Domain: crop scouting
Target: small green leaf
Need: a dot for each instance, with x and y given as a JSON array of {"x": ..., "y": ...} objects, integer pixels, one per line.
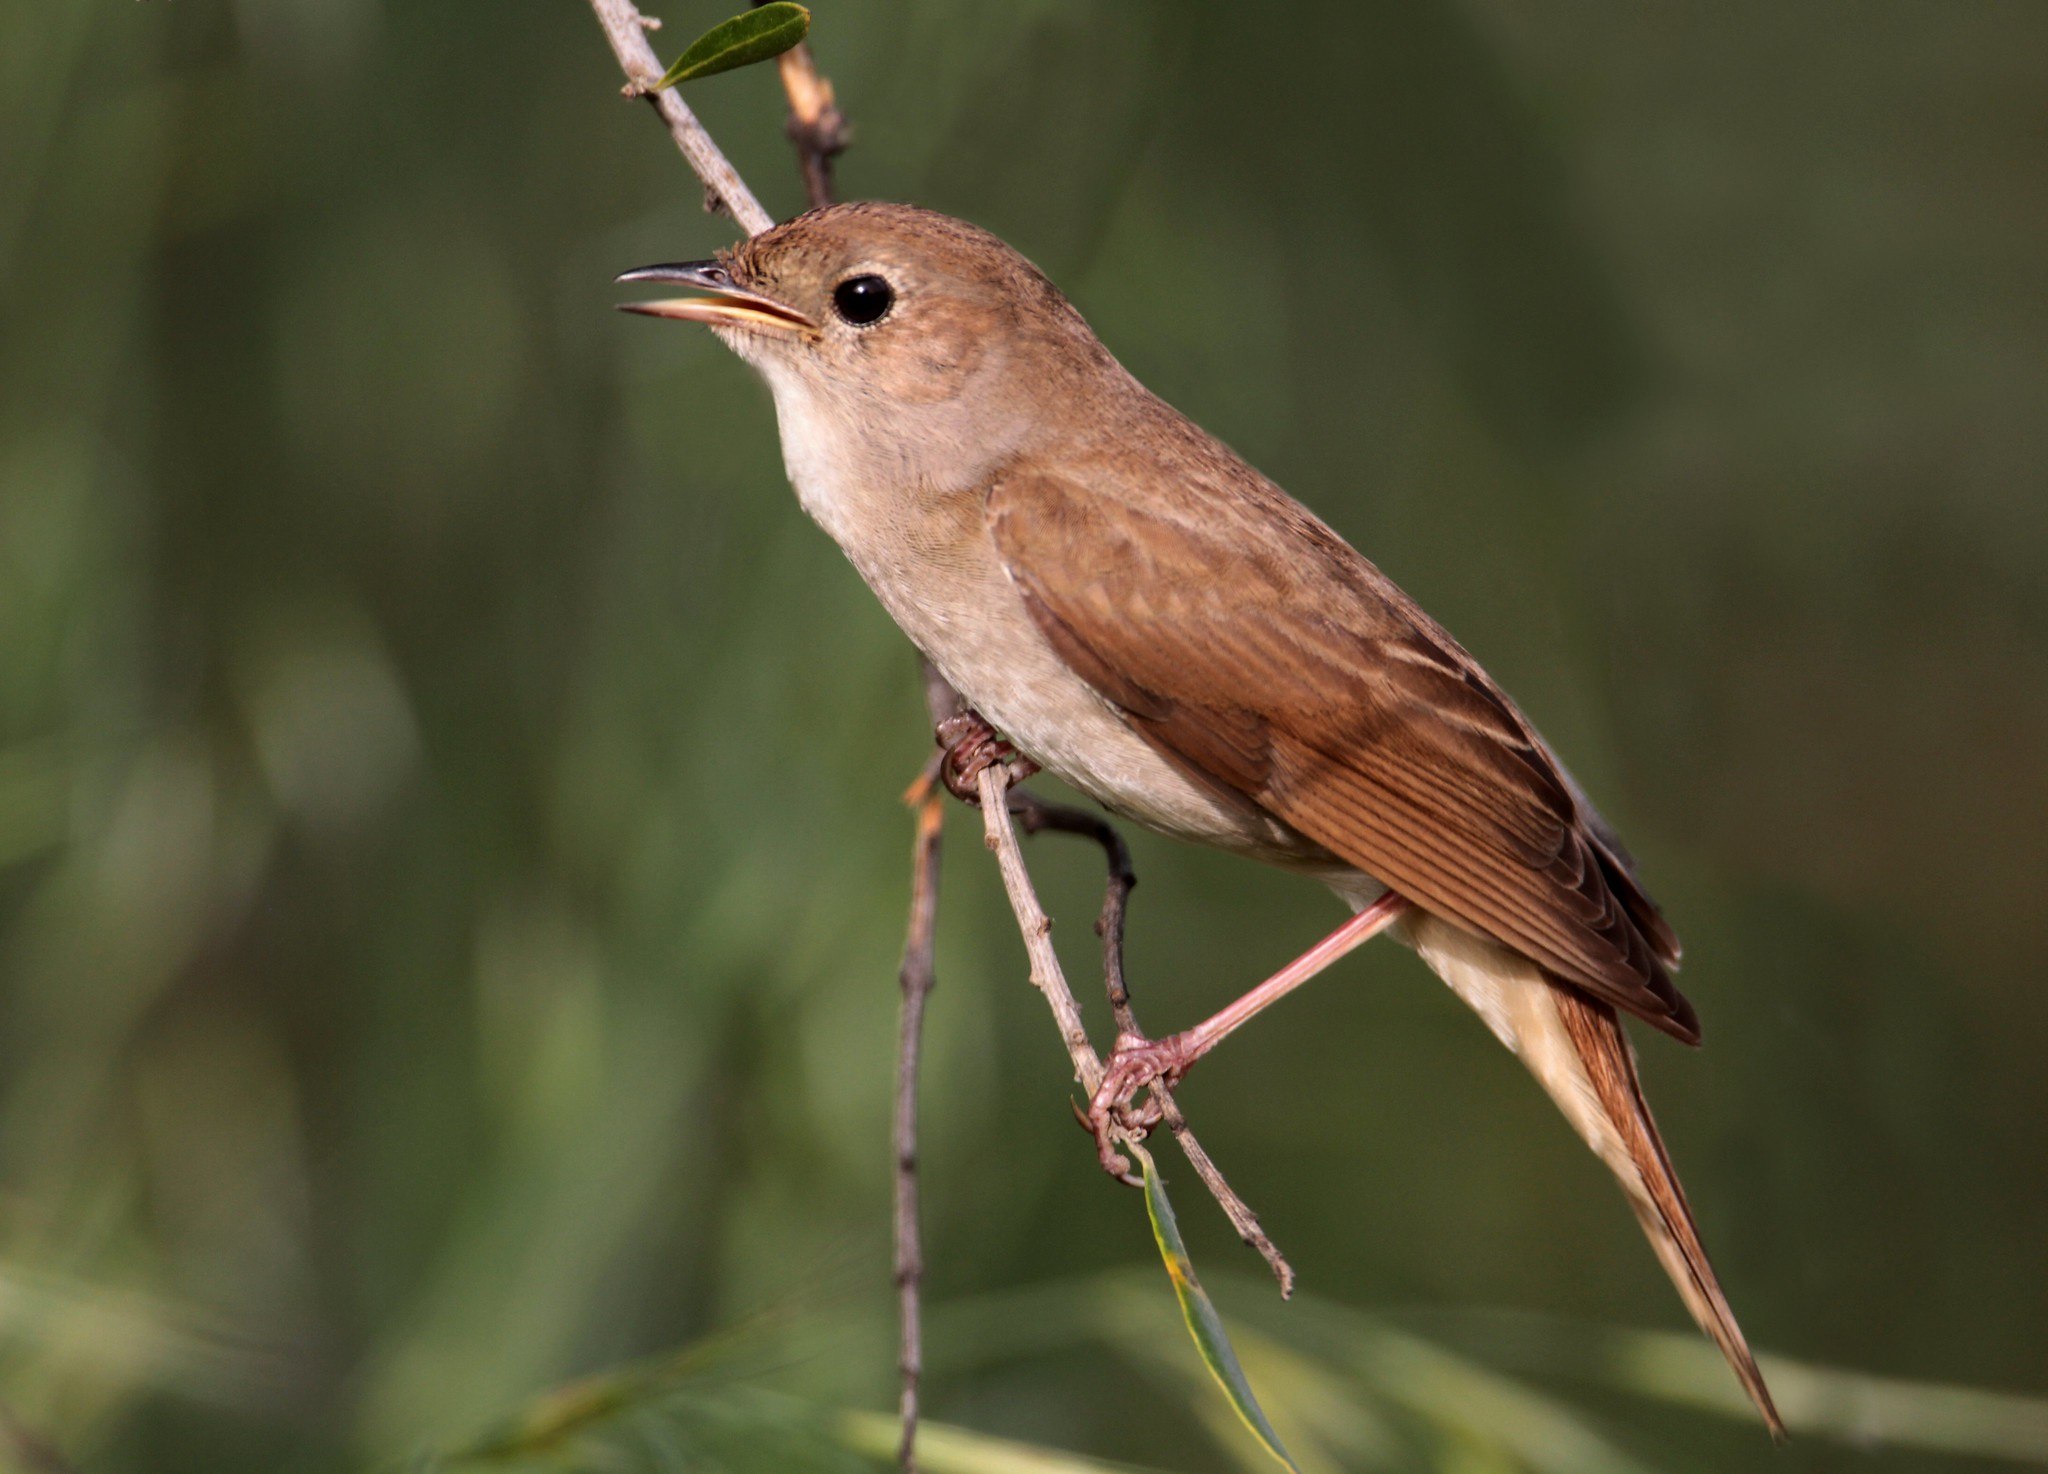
[
  {"x": 751, "y": 36},
  {"x": 1196, "y": 1308}
]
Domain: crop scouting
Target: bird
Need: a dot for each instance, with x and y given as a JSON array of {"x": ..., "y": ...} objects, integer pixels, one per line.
[{"x": 1126, "y": 603}]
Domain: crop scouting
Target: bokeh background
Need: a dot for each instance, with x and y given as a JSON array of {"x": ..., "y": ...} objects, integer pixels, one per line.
[{"x": 451, "y": 872}]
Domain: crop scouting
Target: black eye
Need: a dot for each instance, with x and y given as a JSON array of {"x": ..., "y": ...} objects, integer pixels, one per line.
[{"x": 863, "y": 299}]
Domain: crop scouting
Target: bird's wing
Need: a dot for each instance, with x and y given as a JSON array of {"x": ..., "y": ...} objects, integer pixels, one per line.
[{"x": 1246, "y": 641}]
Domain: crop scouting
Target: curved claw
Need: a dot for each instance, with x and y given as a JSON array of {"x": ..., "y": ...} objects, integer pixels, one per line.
[
  {"x": 968, "y": 747},
  {"x": 1114, "y": 1162},
  {"x": 1134, "y": 1065}
]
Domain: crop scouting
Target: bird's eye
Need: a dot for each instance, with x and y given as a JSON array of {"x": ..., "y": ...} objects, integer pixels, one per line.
[{"x": 863, "y": 299}]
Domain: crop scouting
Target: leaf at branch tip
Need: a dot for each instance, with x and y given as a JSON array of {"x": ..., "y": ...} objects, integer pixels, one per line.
[
  {"x": 751, "y": 36},
  {"x": 1196, "y": 1308}
]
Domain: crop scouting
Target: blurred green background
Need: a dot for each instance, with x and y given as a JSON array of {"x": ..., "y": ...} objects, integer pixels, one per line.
[{"x": 451, "y": 873}]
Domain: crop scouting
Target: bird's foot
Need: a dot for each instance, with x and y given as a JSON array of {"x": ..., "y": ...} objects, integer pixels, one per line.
[
  {"x": 1135, "y": 1064},
  {"x": 968, "y": 746}
]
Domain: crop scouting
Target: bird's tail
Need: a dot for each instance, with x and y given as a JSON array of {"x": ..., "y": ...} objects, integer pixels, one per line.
[{"x": 1575, "y": 1047}]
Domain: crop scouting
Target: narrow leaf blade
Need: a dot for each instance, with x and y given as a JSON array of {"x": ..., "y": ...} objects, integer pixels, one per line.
[
  {"x": 1205, "y": 1325},
  {"x": 751, "y": 36}
]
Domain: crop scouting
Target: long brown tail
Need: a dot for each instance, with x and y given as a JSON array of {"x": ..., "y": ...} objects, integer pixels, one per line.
[
  {"x": 1575, "y": 1047},
  {"x": 1658, "y": 1199}
]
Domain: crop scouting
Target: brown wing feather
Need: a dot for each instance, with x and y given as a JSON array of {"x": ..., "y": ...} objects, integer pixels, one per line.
[{"x": 1251, "y": 644}]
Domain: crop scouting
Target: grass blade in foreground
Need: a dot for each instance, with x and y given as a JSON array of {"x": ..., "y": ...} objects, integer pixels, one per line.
[
  {"x": 751, "y": 36},
  {"x": 944, "y": 1449},
  {"x": 1834, "y": 1402},
  {"x": 1204, "y": 1324},
  {"x": 629, "y": 1423}
]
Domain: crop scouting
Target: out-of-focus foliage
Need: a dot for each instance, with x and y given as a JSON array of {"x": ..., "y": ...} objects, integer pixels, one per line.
[
  {"x": 450, "y": 871},
  {"x": 1355, "y": 1391}
]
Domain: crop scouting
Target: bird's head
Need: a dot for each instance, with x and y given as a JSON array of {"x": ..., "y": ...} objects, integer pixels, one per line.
[{"x": 913, "y": 329}]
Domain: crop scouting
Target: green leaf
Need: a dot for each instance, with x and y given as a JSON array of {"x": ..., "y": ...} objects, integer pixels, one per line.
[
  {"x": 1196, "y": 1308},
  {"x": 751, "y": 36}
]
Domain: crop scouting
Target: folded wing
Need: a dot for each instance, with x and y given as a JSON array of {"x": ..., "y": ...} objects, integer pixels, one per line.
[{"x": 1251, "y": 644}]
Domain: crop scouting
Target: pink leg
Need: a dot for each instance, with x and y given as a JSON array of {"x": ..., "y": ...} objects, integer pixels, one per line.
[{"x": 1136, "y": 1063}]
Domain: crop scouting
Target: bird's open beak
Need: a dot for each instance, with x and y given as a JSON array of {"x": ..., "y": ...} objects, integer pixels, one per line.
[{"x": 728, "y": 305}]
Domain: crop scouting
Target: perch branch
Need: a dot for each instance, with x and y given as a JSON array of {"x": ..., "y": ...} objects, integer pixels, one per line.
[
  {"x": 997, "y": 806},
  {"x": 993, "y": 786},
  {"x": 626, "y": 28},
  {"x": 1037, "y": 816}
]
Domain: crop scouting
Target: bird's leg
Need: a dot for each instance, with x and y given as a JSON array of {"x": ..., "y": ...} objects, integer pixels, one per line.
[
  {"x": 967, "y": 745},
  {"x": 1136, "y": 1061}
]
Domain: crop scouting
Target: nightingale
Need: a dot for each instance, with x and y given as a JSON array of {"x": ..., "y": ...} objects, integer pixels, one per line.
[{"x": 1127, "y": 604}]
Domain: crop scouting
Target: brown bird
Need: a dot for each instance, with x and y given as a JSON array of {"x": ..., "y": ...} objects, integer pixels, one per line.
[{"x": 1137, "y": 610}]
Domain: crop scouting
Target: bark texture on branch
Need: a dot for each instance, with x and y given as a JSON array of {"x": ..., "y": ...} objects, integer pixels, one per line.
[
  {"x": 816, "y": 126},
  {"x": 998, "y": 805},
  {"x": 917, "y": 977},
  {"x": 993, "y": 786},
  {"x": 1037, "y": 816}
]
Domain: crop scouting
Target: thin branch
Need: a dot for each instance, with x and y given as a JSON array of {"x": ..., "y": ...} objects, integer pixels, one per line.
[
  {"x": 1038, "y": 816},
  {"x": 816, "y": 126},
  {"x": 993, "y": 788},
  {"x": 993, "y": 785},
  {"x": 917, "y": 977},
  {"x": 626, "y": 28},
  {"x": 819, "y": 131}
]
